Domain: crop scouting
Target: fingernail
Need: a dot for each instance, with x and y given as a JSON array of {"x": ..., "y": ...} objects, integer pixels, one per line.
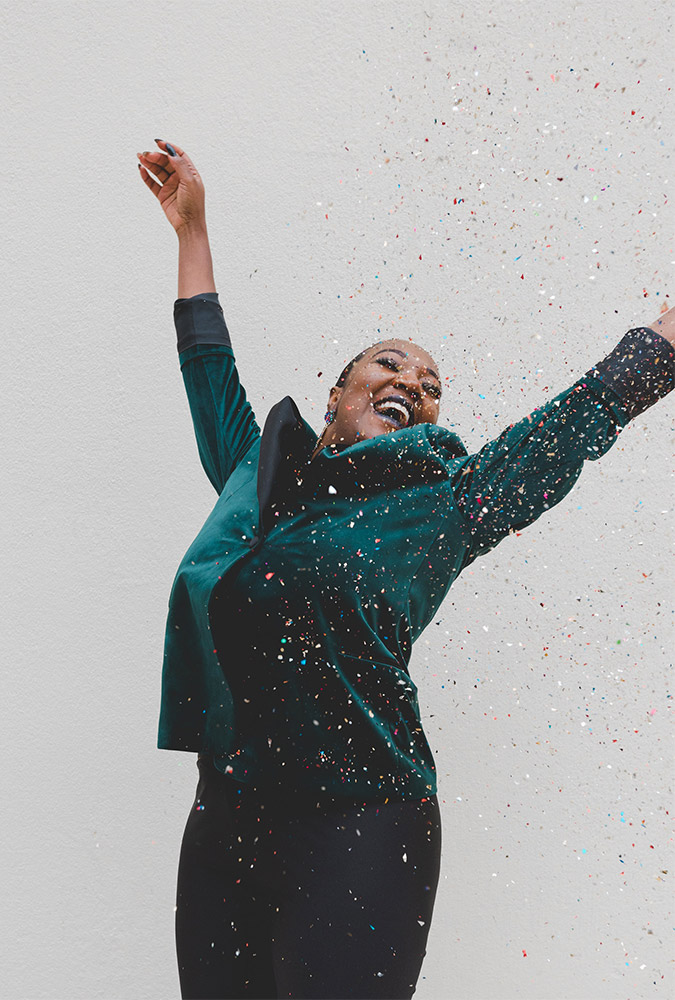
[
  {"x": 170, "y": 150},
  {"x": 159, "y": 140}
]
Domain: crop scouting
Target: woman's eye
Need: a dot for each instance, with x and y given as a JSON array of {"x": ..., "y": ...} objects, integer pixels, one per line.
[
  {"x": 433, "y": 390},
  {"x": 388, "y": 363}
]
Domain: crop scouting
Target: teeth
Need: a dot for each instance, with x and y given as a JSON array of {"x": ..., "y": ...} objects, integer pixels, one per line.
[{"x": 396, "y": 408}]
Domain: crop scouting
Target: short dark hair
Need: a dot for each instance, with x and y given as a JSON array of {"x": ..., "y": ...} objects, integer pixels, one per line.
[{"x": 346, "y": 370}]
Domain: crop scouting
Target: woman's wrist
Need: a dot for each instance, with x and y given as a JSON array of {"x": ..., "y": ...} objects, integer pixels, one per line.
[
  {"x": 193, "y": 232},
  {"x": 195, "y": 266},
  {"x": 665, "y": 325}
]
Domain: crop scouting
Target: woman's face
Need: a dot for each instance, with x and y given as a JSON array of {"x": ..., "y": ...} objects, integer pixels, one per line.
[{"x": 394, "y": 385}]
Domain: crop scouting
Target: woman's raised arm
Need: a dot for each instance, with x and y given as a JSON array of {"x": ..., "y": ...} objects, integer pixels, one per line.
[
  {"x": 534, "y": 463},
  {"x": 224, "y": 423}
]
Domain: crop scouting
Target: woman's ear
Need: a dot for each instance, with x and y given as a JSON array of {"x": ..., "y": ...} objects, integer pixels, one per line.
[{"x": 334, "y": 398}]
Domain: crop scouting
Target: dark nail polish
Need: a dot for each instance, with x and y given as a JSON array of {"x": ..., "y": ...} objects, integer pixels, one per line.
[
  {"x": 170, "y": 150},
  {"x": 159, "y": 140}
]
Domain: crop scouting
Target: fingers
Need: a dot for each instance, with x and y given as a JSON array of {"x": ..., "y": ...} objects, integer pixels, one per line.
[
  {"x": 166, "y": 169},
  {"x": 157, "y": 164},
  {"x": 147, "y": 179},
  {"x": 163, "y": 145},
  {"x": 181, "y": 161}
]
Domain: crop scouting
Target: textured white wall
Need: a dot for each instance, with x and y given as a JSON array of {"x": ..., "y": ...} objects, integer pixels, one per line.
[{"x": 490, "y": 178}]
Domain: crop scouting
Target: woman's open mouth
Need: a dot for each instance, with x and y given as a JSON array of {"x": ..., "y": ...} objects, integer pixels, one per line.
[{"x": 396, "y": 411}]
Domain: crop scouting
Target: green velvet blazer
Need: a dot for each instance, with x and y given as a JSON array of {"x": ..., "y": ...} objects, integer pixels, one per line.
[{"x": 293, "y": 613}]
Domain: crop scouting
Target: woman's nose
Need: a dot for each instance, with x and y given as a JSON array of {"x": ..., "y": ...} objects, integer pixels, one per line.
[{"x": 409, "y": 381}]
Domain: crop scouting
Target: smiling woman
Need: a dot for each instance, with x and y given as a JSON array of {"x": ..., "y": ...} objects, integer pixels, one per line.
[
  {"x": 311, "y": 855},
  {"x": 387, "y": 387}
]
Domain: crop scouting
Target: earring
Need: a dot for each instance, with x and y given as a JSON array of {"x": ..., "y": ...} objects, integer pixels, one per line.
[{"x": 330, "y": 416}]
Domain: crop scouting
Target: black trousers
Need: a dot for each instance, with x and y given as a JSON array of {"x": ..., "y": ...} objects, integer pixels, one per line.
[{"x": 286, "y": 899}]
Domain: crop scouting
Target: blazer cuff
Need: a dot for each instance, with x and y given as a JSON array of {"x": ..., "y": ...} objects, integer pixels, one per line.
[
  {"x": 200, "y": 320},
  {"x": 640, "y": 369}
]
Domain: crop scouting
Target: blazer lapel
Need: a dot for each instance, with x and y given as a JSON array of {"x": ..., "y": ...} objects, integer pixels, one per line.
[{"x": 284, "y": 447}]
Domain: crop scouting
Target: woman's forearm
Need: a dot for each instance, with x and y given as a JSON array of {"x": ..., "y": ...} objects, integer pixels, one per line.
[{"x": 195, "y": 266}]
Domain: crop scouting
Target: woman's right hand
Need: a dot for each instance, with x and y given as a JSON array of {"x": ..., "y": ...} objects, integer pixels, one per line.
[{"x": 180, "y": 190}]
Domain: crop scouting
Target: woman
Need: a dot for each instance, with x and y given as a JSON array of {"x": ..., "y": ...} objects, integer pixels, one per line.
[{"x": 310, "y": 859}]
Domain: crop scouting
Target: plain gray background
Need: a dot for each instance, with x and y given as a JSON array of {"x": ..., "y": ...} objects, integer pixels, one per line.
[{"x": 490, "y": 179}]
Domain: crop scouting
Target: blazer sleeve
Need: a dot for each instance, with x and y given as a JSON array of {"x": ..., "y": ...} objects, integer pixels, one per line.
[
  {"x": 224, "y": 422},
  {"x": 534, "y": 463}
]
